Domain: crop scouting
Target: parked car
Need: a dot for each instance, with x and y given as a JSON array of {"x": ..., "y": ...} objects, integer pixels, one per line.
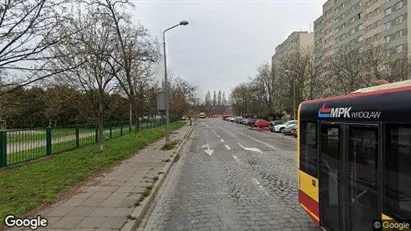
[
  {"x": 280, "y": 127},
  {"x": 245, "y": 121},
  {"x": 288, "y": 129},
  {"x": 262, "y": 123},
  {"x": 251, "y": 122},
  {"x": 232, "y": 119},
  {"x": 275, "y": 122}
]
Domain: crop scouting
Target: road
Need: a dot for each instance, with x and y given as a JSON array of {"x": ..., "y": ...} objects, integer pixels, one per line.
[{"x": 249, "y": 182}]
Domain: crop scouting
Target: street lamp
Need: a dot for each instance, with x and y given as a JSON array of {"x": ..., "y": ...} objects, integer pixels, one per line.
[
  {"x": 294, "y": 109},
  {"x": 182, "y": 23}
]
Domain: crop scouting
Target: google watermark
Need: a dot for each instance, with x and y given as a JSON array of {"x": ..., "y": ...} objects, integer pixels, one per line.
[
  {"x": 391, "y": 225},
  {"x": 32, "y": 223}
]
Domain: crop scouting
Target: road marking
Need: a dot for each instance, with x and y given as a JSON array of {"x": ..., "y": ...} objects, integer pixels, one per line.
[
  {"x": 251, "y": 149},
  {"x": 237, "y": 160},
  {"x": 228, "y": 147},
  {"x": 261, "y": 142},
  {"x": 260, "y": 187},
  {"x": 208, "y": 150},
  {"x": 218, "y": 136},
  {"x": 222, "y": 140}
]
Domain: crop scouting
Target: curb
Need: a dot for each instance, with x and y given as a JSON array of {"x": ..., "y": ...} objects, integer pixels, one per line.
[{"x": 140, "y": 211}]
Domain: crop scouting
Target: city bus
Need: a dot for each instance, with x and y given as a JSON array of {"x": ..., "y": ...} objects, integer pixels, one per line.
[{"x": 354, "y": 157}]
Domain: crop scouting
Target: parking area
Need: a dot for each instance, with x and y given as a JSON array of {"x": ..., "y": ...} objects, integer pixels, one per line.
[{"x": 287, "y": 128}]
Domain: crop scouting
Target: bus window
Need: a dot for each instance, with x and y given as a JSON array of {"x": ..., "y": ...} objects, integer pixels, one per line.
[
  {"x": 308, "y": 158},
  {"x": 398, "y": 171}
]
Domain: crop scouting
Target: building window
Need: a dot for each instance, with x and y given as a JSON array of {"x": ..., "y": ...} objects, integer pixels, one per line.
[
  {"x": 360, "y": 3},
  {"x": 352, "y": 20},
  {"x": 399, "y": 48},
  {"x": 343, "y": 37},
  {"x": 399, "y": 5},
  {"x": 387, "y": 39},
  {"x": 399, "y": 34},
  {"x": 369, "y": 28},
  {"x": 377, "y": 37},
  {"x": 352, "y": 31},
  {"x": 343, "y": 16},
  {"x": 360, "y": 27},
  {"x": 397, "y": 171},
  {"x": 377, "y": 23},
  {"x": 359, "y": 15},
  {"x": 388, "y": 25},
  {"x": 353, "y": 9},
  {"x": 399, "y": 20},
  {"x": 360, "y": 38},
  {"x": 388, "y": 11},
  {"x": 368, "y": 4},
  {"x": 368, "y": 16},
  {"x": 378, "y": 10},
  {"x": 343, "y": 26},
  {"x": 361, "y": 49}
]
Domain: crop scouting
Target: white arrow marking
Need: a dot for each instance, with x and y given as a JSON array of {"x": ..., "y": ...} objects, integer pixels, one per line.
[
  {"x": 222, "y": 140},
  {"x": 228, "y": 147},
  {"x": 250, "y": 149},
  {"x": 208, "y": 150}
]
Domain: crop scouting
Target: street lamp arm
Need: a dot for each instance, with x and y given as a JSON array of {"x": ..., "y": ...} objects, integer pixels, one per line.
[{"x": 164, "y": 32}]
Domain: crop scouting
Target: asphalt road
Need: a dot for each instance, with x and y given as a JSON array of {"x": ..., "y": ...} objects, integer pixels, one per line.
[{"x": 246, "y": 181}]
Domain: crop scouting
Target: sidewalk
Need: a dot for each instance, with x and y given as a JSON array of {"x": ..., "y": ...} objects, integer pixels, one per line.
[{"x": 107, "y": 201}]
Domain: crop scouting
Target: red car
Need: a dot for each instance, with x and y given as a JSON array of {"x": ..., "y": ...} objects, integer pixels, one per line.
[
  {"x": 251, "y": 122},
  {"x": 262, "y": 123}
]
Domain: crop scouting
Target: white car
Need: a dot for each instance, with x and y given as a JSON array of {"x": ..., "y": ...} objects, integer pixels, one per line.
[
  {"x": 280, "y": 127},
  {"x": 232, "y": 119}
]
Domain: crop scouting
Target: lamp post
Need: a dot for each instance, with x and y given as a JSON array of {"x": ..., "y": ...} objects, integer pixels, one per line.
[
  {"x": 182, "y": 23},
  {"x": 294, "y": 109}
]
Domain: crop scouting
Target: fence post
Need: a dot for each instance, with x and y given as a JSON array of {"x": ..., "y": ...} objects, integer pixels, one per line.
[
  {"x": 111, "y": 132},
  {"x": 129, "y": 128},
  {"x": 48, "y": 141},
  {"x": 3, "y": 148},
  {"x": 96, "y": 134},
  {"x": 77, "y": 137},
  {"x": 121, "y": 130}
]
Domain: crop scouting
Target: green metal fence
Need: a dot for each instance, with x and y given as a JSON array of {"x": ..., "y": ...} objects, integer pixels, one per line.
[{"x": 18, "y": 146}]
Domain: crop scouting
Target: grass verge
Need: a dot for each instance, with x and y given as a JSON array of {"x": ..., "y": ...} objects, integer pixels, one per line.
[{"x": 24, "y": 188}]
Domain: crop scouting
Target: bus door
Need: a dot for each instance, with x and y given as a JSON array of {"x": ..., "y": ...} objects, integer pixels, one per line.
[
  {"x": 362, "y": 174},
  {"x": 331, "y": 150},
  {"x": 348, "y": 176}
]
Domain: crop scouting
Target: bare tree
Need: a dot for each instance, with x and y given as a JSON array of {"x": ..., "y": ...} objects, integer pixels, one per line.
[
  {"x": 29, "y": 30},
  {"x": 91, "y": 46},
  {"x": 134, "y": 47},
  {"x": 347, "y": 67}
]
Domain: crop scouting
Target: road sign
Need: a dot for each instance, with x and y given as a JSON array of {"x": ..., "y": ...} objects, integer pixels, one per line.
[{"x": 161, "y": 102}]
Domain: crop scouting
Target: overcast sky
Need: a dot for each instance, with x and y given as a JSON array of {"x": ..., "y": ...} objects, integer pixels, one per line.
[{"x": 225, "y": 39}]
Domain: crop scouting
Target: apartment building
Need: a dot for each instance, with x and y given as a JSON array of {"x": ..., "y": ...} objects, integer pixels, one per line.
[
  {"x": 361, "y": 23},
  {"x": 296, "y": 42}
]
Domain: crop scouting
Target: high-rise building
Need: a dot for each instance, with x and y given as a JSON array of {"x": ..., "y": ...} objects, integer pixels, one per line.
[
  {"x": 361, "y": 23},
  {"x": 296, "y": 42}
]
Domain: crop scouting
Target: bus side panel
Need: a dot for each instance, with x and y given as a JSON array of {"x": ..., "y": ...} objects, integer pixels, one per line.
[{"x": 308, "y": 195}]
